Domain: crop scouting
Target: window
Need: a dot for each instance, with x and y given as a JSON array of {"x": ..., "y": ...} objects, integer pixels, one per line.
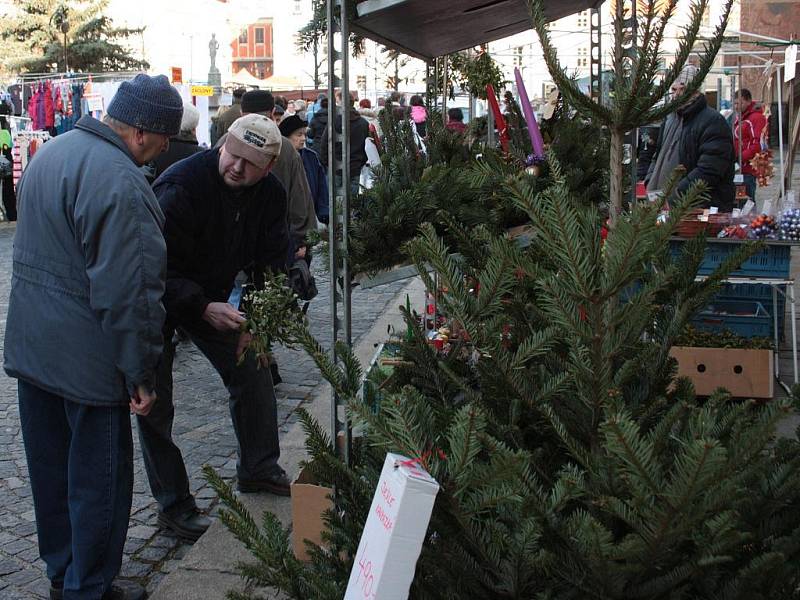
[
  {"x": 259, "y": 35},
  {"x": 243, "y": 37},
  {"x": 583, "y": 19},
  {"x": 298, "y": 9},
  {"x": 518, "y": 56},
  {"x": 583, "y": 57}
]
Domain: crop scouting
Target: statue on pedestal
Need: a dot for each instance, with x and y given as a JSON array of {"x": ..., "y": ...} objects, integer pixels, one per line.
[{"x": 214, "y": 76}]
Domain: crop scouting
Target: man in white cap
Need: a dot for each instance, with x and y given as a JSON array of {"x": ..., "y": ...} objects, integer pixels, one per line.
[
  {"x": 83, "y": 334},
  {"x": 698, "y": 138},
  {"x": 225, "y": 213}
]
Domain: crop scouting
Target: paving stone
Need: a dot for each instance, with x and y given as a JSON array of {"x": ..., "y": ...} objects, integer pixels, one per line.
[{"x": 142, "y": 532}]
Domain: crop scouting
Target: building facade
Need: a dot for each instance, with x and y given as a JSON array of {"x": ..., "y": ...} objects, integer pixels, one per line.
[{"x": 252, "y": 50}]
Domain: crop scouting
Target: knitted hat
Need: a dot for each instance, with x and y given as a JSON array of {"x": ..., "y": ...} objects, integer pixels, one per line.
[
  {"x": 687, "y": 74},
  {"x": 191, "y": 117},
  {"x": 291, "y": 124},
  {"x": 148, "y": 103},
  {"x": 257, "y": 101},
  {"x": 255, "y": 138}
]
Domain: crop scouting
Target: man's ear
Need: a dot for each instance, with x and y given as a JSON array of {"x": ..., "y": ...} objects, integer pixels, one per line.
[{"x": 139, "y": 137}]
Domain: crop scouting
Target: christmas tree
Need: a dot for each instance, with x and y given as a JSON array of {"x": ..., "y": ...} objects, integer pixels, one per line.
[{"x": 572, "y": 461}]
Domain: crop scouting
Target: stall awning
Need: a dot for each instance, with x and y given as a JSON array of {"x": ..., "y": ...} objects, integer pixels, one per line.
[{"x": 427, "y": 29}]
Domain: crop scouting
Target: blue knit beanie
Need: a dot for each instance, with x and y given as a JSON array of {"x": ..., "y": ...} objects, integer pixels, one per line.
[{"x": 148, "y": 103}]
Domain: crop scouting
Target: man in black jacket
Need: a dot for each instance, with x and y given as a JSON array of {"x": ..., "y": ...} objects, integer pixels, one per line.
[
  {"x": 700, "y": 139},
  {"x": 225, "y": 213},
  {"x": 359, "y": 132}
]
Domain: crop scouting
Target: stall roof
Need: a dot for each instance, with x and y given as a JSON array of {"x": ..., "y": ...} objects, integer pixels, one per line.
[{"x": 427, "y": 29}]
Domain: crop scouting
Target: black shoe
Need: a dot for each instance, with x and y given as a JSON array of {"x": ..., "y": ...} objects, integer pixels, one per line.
[
  {"x": 119, "y": 590},
  {"x": 276, "y": 376},
  {"x": 189, "y": 525},
  {"x": 277, "y": 484}
]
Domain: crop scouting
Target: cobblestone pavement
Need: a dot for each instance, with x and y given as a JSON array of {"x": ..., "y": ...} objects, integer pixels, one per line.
[{"x": 202, "y": 429}]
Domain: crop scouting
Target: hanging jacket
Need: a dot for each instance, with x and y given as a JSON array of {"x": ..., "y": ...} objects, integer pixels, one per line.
[
  {"x": 753, "y": 124},
  {"x": 85, "y": 313},
  {"x": 49, "y": 107},
  {"x": 213, "y": 232}
]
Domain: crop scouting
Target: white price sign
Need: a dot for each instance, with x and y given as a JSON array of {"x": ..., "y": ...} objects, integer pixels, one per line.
[
  {"x": 789, "y": 63},
  {"x": 392, "y": 539}
]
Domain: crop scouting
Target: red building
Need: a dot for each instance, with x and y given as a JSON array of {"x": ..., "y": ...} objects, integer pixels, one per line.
[{"x": 252, "y": 50}]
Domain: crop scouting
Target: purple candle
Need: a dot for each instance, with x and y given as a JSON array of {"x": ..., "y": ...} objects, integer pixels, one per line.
[{"x": 530, "y": 119}]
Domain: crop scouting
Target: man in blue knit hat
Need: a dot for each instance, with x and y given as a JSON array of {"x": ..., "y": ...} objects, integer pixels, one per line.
[{"x": 83, "y": 335}]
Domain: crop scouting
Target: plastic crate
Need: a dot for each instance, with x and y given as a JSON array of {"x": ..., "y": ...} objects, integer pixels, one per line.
[
  {"x": 748, "y": 319},
  {"x": 740, "y": 292},
  {"x": 773, "y": 261}
]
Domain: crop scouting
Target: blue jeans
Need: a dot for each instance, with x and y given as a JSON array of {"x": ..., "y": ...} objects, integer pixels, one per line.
[
  {"x": 750, "y": 186},
  {"x": 80, "y": 460},
  {"x": 253, "y": 412}
]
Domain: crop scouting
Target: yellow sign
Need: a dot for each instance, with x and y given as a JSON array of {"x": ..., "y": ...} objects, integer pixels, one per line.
[{"x": 202, "y": 90}]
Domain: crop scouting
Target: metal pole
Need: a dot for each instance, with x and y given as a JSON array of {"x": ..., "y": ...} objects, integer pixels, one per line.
[
  {"x": 739, "y": 116},
  {"x": 719, "y": 94},
  {"x": 780, "y": 128},
  {"x": 445, "y": 64},
  {"x": 332, "y": 223},
  {"x": 347, "y": 106}
]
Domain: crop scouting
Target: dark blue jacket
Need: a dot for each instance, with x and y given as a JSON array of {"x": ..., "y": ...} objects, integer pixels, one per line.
[
  {"x": 85, "y": 313},
  {"x": 317, "y": 181},
  {"x": 213, "y": 232}
]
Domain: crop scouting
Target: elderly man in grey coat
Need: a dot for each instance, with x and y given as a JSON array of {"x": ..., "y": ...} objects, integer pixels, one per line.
[{"x": 83, "y": 335}]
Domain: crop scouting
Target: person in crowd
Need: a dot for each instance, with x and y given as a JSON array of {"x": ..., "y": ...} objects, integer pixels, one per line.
[
  {"x": 278, "y": 113},
  {"x": 318, "y": 125},
  {"x": 299, "y": 109},
  {"x": 419, "y": 115},
  {"x": 294, "y": 129},
  {"x": 84, "y": 200},
  {"x": 455, "y": 120},
  {"x": 182, "y": 145},
  {"x": 645, "y": 150},
  {"x": 282, "y": 102},
  {"x": 230, "y": 114},
  {"x": 313, "y": 107},
  {"x": 7, "y": 191},
  {"x": 698, "y": 138},
  {"x": 752, "y": 126},
  {"x": 359, "y": 132},
  {"x": 225, "y": 213}
]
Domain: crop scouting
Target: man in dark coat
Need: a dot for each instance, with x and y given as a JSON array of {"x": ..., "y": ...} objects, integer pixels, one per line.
[
  {"x": 225, "y": 213},
  {"x": 317, "y": 126},
  {"x": 698, "y": 138},
  {"x": 83, "y": 335},
  {"x": 359, "y": 132},
  {"x": 226, "y": 117}
]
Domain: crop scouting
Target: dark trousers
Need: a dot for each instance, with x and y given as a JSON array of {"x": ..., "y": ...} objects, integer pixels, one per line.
[
  {"x": 750, "y": 186},
  {"x": 80, "y": 460},
  {"x": 253, "y": 411}
]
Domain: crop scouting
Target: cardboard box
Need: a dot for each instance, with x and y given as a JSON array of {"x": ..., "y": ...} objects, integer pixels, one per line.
[
  {"x": 309, "y": 502},
  {"x": 392, "y": 539},
  {"x": 744, "y": 373}
]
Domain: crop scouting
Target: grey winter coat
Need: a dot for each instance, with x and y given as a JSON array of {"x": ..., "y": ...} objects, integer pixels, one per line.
[{"x": 85, "y": 313}]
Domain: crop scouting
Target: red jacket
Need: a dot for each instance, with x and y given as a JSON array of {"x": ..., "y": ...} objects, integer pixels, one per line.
[{"x": 753, "y": 124}]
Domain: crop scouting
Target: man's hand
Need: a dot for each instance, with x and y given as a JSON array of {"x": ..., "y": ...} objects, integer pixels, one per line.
[
  {"x": 223, "y": 317},
  {"x": 301, "y": 252},
  {"x": 142, "y": 401}
]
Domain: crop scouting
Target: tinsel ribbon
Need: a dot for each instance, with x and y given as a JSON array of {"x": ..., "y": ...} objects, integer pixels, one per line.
[
  {"x": 537, "y": 143},
  {"x": 422, "y": 460},
  {"x": 499, "y": 119}
]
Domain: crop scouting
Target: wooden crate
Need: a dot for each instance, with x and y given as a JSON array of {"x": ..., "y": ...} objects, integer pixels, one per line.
[{"x": 744, "y": 373}]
